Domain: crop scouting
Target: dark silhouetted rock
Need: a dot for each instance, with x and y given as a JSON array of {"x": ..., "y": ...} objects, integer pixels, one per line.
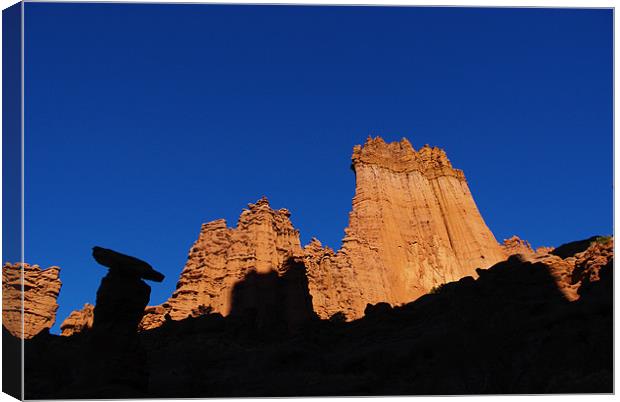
[
  {"x": 273, "y": 303},
  {"x": 377, "y": 309},
  {"x": 114, "y": 359},
  {"x": 574, "y": 247},
  {"x": 130, "y": 265}
]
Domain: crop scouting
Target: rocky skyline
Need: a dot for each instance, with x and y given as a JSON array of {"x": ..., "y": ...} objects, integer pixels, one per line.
[
  {"x": 235, "y": 200},
  {"x": 140, "y": 157},
  {"x": 420, "y": 299},
  {"x": 414, "y": 226}
]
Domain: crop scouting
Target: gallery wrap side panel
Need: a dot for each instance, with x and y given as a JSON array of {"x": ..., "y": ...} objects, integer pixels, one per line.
[{"x": 12, "y": 181}]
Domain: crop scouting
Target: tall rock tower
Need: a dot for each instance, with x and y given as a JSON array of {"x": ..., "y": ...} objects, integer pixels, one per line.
[{"x": 414, "y": 225}]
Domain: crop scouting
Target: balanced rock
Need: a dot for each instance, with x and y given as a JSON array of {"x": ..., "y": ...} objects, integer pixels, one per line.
[
  {"x": 114, "y": 358},
  {"x": 122, "y": 295},
  {"x": 40, "y": 291},
  {"x": 130, "y": 266}
]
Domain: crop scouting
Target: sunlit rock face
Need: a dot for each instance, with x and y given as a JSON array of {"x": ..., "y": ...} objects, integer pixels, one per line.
[
  {"x": 222, "y": 257},
  {"x": 414, "y": 225},
  {"x": 515, "y": 245},
  {"x": 40, "y": 291},
  {"x": 78, "y": 321}
]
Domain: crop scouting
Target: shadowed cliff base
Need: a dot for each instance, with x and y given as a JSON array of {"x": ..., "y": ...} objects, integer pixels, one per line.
[
  {"x": 509, "y": 331},
  {"x": 272, "y": 305}
]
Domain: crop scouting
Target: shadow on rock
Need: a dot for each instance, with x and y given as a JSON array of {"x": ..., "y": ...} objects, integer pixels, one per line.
[
  {"x": 509, "y": 331},
  {"x": 273, "y": 304}
]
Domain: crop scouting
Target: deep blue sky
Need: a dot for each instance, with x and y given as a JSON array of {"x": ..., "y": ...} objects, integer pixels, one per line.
[{"x": 144, "y": 121}]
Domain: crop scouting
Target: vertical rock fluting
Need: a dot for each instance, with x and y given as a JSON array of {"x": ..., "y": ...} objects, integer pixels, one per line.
[
  {"x": 414, "y": 225},
  {"x": 221, "y": 257},
  {"x": 40, "y": 291}
]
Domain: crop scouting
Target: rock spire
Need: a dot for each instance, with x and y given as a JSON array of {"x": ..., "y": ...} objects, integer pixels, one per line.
[{"x": 414, "y": 225}]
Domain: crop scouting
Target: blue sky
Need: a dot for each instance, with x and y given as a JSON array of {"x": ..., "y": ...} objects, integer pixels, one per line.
[{"x": 144, "y": 121}]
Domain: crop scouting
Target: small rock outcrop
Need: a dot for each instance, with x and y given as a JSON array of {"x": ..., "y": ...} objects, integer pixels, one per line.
[
  {"x": 515, "y": 245},
  {"x": 575, "y": 271},
  {"x": 40, "y": 291},
  {"x": 78, "y": 321}
]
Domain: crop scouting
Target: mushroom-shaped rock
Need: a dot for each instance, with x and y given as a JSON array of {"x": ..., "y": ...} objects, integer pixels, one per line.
[
  {"x": 113, "y": 354},
  {"x": 115, "y": 260}
]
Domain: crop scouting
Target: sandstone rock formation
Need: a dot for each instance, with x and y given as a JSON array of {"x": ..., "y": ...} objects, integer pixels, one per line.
[
  {"x": 509, "y": 331},
  {"x": 78, "y": 321},
  {"x": 574, "y": 271},
  {"x": 221, "y": 257},
  {"x": 515, "y": 245},
  {"x": 414, "y": 225},
  {"x": 40, "y": 291}
]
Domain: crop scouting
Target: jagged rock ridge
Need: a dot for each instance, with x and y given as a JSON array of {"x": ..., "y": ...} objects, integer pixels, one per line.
[
  {"x": 221, "y": 257},
  {"x": 40, "y": 291},
  {"x": 510, "y": 331},
  {"x": 414, "y": 225}
]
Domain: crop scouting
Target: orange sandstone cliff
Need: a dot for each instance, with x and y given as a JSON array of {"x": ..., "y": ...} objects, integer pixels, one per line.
[
  {"x": 40, "y": 291},
  {"x": 414, "y": 225}
]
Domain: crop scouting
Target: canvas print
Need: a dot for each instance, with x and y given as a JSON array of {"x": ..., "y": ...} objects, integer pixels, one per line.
[{"x": 210, "y": 200}]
